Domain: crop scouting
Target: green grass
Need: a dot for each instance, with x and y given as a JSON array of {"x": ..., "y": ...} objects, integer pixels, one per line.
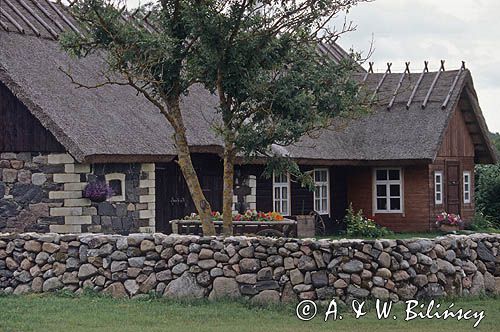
[
  {"x": 94, "y": 313},
  {"x": 409, "y": 235}
]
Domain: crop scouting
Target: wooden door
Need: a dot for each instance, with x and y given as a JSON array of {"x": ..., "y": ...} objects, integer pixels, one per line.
[
  {"x": 173, "y": 200},
  {"x": 453, "y": 187}
]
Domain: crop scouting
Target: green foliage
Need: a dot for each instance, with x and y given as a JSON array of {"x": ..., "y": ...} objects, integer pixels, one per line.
[
  {"x": 488, "y": 192},
  {"x": 481, "y": 223},
  {"x": 495, "y": 137},
  {"x": 359, "y": 225}
]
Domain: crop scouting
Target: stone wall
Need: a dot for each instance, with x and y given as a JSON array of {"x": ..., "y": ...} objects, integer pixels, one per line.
[
  {"x": 262, "y": 269},
  {"x": 44, "y": 192}
]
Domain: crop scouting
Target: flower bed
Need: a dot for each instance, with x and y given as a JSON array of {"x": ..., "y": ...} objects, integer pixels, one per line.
[
  {"x": 448, "y": 222},
  {"x": 249, "y": 215}
]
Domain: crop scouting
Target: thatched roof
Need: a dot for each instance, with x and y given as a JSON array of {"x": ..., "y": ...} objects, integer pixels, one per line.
[
  {"x": 406, "y": 130},
  {"x": 112, "y": 123}
]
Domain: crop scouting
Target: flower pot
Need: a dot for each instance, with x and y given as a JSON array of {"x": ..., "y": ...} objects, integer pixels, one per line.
[{"x": 449, "y": 228}]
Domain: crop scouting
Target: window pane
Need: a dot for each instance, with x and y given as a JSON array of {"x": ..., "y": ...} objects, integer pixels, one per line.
[
  {"x": 466, "y": 187},
  {"x": 277, "y": 206},
  {"x": 395, "y": 204},
  {"x": 381, "y": 190},
  {"x": 381, "y": 204},
  {"x": 438, "y": 197},
  {"x": 317, "y": 206},
  {"x": 323, "y": 191},
  {"x": 324, "y": 204},
  {"x": 438, "y": 187},
  {"x": 395, "y": 190},
  {"x": 394, "y": 174},
  {"x": 277, "y": 193},
  {"x": 284, "y": 207},
  {"x": 284, "y": 193},
  {"x": 438, "y": 178},
  {"x": 381, "y": 174}
]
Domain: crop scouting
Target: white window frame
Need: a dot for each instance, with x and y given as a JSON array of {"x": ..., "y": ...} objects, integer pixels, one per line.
[
  {"x": 282, "y": 185},
  {"x": 466, "y": 192},
  {"x": 388, "y": 183},
  {"x": 438, "y": 187},
  {"x": 325, "y": 209},
  {"x": 117, "y": 176}
]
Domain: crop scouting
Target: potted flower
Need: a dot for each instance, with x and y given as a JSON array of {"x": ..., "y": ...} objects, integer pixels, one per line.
[
  {"x": 97, "y": 191},
  {"x": 448, "y": 222}
]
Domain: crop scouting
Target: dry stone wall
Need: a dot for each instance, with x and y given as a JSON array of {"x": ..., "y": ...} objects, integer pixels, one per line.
[{"x": 261, "y": 269}]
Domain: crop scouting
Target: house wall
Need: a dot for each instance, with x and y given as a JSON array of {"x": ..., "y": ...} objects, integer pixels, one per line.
[
  {"x": 19, "y": 130},
  {"x": 44, "y": 192},
  {"x": 301, "y": 197},
  {"x": 415, "y": 216},
  {"x": 457, "y": 146}
]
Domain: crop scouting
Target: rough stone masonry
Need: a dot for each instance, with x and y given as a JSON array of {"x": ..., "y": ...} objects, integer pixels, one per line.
[{"x": 261, "y": 269}]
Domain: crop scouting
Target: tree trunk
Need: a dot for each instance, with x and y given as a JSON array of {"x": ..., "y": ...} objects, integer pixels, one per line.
[
  {"x": 227, "y": 196},
  {"x": 187, "y": 168}
]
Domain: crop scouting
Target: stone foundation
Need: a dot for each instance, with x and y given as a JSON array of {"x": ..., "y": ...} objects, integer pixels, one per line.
[
  {"x": 261, "y": 269},
  {"x": 44, "y": 192}
]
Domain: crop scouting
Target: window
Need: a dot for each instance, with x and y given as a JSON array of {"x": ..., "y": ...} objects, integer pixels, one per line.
[
  {"x": 321, "y": 191},
  {"x": 438, "y": 187},
  {"x": 117, "y": 182},
  {"x": 466, "y": 182},
  {"x": 281, "y": 193},
  {"x": 388, "y": 190}
]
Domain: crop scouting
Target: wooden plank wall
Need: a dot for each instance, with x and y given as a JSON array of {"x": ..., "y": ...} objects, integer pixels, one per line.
[
  {"x": 457, "y": 146},
  {"x": 20, "y": 131},
  {"x": 415, "y": 216}
]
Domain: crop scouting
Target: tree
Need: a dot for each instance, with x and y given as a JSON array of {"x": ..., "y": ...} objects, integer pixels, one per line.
[
  {"x": 259, "y": 57},
  {"x": 149, "y": 54}
]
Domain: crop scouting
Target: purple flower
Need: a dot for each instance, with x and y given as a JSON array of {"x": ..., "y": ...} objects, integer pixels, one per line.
[{"x": 97, "y": 191}]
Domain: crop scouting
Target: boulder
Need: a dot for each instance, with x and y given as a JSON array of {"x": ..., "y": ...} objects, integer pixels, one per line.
[
  {"x": 86, "y": 271},
  {"x": 116, "y": 290},
  {"x": 184, "y": 287},
  {"x": 148, "y": 284},
  {"x": 52, "y": 284},
  {"x": 224, "y": 288},
  {"x": 266, "y": 297},
  {"x": 384, "y": 259},
  {"x": 131, "y": 286},
  {"x": 352, "y": 266}
]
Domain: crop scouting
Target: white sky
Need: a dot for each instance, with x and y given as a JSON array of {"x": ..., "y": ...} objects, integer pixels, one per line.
[{"x": 418, "y": 30}]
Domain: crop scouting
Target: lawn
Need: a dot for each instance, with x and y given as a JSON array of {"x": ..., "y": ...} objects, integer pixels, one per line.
[
  {"x": 409, "y": 235},
  {"x": 93, "y": 313}
]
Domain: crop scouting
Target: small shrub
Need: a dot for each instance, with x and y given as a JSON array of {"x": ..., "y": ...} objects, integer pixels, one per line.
[
  {"x": 359, "y": 225},
  {"x": 480, "y": 222}
]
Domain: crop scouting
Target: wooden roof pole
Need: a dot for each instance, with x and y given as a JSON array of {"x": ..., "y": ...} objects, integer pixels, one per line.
[
  {"x": 370, "y": 71},
  {"x": 46, "y": 13},
  {"x": 414, "y": 92},
  {"x": 426, "y": 100},
  {"x": 11, "y": 20},
  {"x": 24, "y": 19},
  {"x": 400, "y": 83},
  {"x": 63, "y": 17},
  {"x": 379, "y": 85},
  {"x": 455, "y": 81},
  {"x": 4, "y": 26},
  {"x": 38, "y": 18}
]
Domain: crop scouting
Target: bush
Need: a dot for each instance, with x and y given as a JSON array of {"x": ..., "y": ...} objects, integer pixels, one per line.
[
  {"x": 488, "y": 192},
  {"x": 481, "y": 223},
  {"x": 359, "y": 225}
]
